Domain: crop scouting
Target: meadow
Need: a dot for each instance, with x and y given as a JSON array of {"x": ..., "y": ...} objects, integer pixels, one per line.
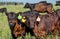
[{"x": 5, "y": 32}]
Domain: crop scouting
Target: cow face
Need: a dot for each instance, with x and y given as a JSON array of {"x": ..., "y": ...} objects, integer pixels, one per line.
[
  {"x": 49, "y": 7},
  {"x": 32, "y": 19},
  {"x": 11, "y": 18}
]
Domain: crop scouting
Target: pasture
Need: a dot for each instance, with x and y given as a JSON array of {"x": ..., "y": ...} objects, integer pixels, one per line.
[{"x": 5, "y": 32}]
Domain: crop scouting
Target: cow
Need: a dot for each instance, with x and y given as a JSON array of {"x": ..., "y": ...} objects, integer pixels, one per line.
[
  {"x": 47, "y": 23},
  {"x": 50, "y": 8},
  {"x": 30, "y": 20},
  {"x": 42, "y": 6},
  {"x": 17, "y": 29},
  {"x": 11, "y": 20},
  {"x": 3, "y": 10},
  {"x": 30, "y": 14},
  {"x": 30, "y": 6}
]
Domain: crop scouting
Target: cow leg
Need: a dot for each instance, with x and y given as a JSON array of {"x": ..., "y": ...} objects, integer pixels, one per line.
[
  {"x": 23, "y": 37},
  {"x": 58, "y": 33},
  {"x": 54, "y": 32},
  {"x": 13, "y": 36},
  {"x": 43, "y": 34}
]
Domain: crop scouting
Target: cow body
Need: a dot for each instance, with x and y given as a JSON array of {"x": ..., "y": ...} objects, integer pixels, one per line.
[
  {"x": 42, "y": 6},
  {"x": 46, "y": 24},
  {"x": 16, "y": 29}
]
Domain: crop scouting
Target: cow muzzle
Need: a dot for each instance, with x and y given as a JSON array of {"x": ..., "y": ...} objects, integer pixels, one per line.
[{"x": 11, "y": 24}]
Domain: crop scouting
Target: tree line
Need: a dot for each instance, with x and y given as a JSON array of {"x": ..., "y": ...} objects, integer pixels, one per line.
[
  {"x": 21, "y": 3},
  {"x": 11, "y": 3}
]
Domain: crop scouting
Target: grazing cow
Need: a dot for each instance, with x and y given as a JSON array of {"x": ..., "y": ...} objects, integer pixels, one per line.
[
  {"x": 17, "y": 29},
  {"x": 3, "y": 10},
  {"x": 30, "y": 6},
  {"x": 49, "y": 8},
  {"x": 42, "y": 6},
  {"x": 47, "y": 23},
  {"x": 33, "y": 6}
]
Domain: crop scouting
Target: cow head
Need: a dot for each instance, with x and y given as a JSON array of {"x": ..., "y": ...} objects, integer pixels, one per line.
[
  {"x": 22, "y": 18},
  {"x": 26, "y": 5},
  {"x": 49, "y": 7},
  {"x": 11, "y": 18},
  {"x": 32, "y": 18}
]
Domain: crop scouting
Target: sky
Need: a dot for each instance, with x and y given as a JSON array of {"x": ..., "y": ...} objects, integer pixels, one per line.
[{"x": 29, "y": 1}]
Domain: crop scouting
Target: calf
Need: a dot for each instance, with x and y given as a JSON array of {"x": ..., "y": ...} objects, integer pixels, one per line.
[
  {"x": 16, "y": 29},
  {"x": 42, "y": 6},
  {"x": 47, "y": 23},
  {"x": 30, "y": 20},
  {"x": 12, "y": 21},
  {"x": 3, "y": 10}
]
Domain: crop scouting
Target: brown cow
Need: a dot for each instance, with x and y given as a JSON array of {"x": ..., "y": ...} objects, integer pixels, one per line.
[
  {"x": 46, "y": 24},
  {"x": 17, "y": 29}
]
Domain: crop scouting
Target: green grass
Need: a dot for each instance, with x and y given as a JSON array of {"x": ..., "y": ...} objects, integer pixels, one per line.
[{"x": 5, "y": 32}]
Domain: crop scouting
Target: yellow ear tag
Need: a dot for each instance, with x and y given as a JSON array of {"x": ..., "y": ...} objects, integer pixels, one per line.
[{"x": 23, "y": 20}]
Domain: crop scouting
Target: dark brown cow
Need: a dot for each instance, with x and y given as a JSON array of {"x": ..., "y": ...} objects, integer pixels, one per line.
[
  {"x": 33, "y": 6},
  {"x": 42, "y": 6},
  {"x": 46, "y": 24},
  {"x": 30, "y": 20},
  {"x": 3, "y": 10},
  {"x": 12, "y": 21},
  {"x": 17, "y": 29}
]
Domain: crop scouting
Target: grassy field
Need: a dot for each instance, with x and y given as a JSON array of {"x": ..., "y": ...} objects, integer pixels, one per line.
[{"x": 5, "y": 32}]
